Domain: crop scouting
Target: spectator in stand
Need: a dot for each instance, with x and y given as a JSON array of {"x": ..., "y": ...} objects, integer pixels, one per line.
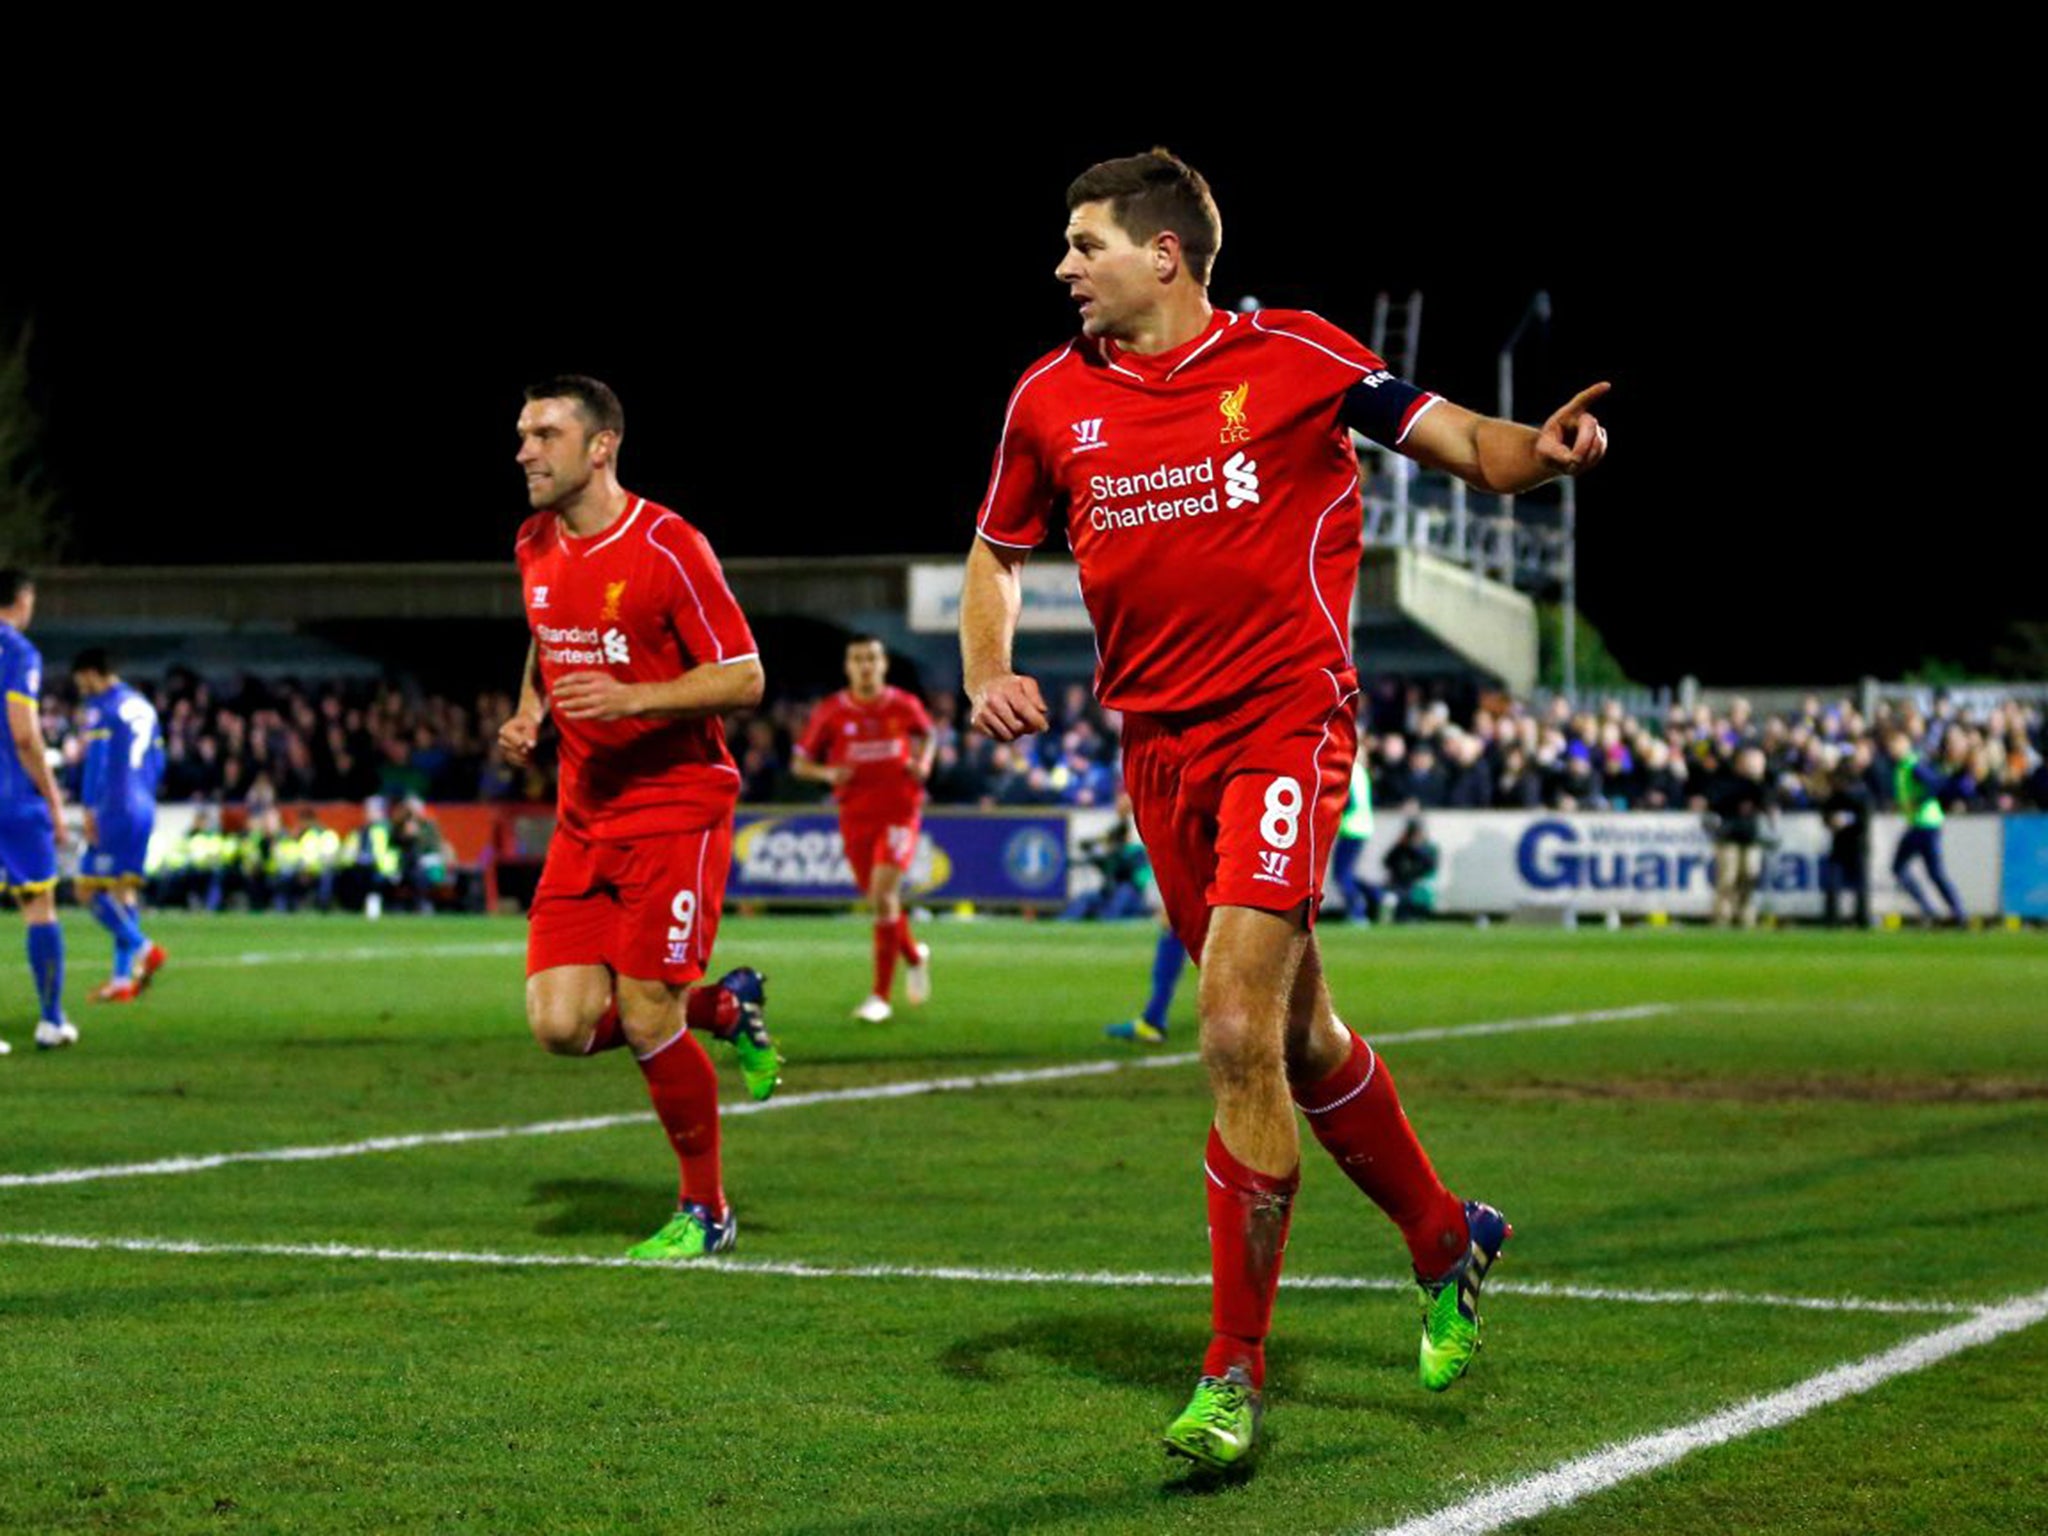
[
  {"x": 1470, "y": 782},
  {"x": 1518, "y": 787},
  {"x": 760, "y": 763},
  {"x": 1429, "y": 785},
  {"x": 1576, "y": 785},
  {"x": 1660, "y": 782},
  {"x": 1393, "y": 783}
]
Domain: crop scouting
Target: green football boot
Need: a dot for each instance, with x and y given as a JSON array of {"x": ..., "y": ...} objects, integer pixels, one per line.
[
  {"x": 1450, "y": 1303},
  {"x": 1220, "y": 1424},
  {"x": 760, "y": 1062},
  {"x": 690, "y": 1234}
]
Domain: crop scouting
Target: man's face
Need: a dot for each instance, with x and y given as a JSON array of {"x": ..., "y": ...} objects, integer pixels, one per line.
[
  {"x": 24, "y": 607},
  {"x": 1113, "y": 280},
  {"x": 557, "y": 451},
  {"x": 866, "y": 666},
  {"x": 90, "y": 684}
]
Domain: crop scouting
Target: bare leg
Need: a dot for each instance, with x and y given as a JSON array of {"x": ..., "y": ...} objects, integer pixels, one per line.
[{"x": 1249, "y": 966}]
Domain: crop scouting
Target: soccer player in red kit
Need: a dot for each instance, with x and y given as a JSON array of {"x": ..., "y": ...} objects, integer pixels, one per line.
[
  {"x": 638, "y": 650},
  {"x": 1202, "y": 463},
  {"x": 873, "y": 744}
]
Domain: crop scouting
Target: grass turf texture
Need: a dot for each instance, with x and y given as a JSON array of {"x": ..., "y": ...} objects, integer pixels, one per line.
[{"x": 1827, "y": 1115}]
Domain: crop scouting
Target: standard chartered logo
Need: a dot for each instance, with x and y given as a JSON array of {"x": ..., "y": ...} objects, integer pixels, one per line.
[
  {"x": 1133, "y": 501},
  {"x": 1240, "y": 481},
  {"x": 617, "y": 650}
]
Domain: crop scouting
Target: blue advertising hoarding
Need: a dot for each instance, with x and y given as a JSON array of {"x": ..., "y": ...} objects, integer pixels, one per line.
[
  {"x": 796, "y": 855},
  {"x": 2026, "y": 866}
]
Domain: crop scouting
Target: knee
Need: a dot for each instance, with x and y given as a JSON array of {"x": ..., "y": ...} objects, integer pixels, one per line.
[
  {"x": 1238, "y": 1046},
  {"x": 561, "y": 1025}
]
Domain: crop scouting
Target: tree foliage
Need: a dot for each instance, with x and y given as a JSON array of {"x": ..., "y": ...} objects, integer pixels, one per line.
[{"x": 29, "y": 531}]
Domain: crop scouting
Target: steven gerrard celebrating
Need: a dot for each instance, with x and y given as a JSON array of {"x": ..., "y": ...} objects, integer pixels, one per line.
[{"x": 1202, "y": 465}]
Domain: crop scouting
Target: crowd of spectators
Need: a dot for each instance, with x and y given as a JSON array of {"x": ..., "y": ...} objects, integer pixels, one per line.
[
  {"x": 283, "y": 742},
  {"x": 1506, "y": 755}
]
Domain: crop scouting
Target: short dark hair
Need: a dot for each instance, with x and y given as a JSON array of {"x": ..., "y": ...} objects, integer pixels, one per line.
[
  {"x": 1152, "y": 192},
  {"x": 12, "y": 581},
  {"x": 865, "y": 640},
  {"x": 93, "y": 658},
  {"x": 593, "y": 399}
]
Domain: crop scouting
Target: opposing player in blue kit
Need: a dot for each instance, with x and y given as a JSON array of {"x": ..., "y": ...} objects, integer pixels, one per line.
[
  {"x": 124, "y": 763},
  {"x": 31, "y": 810}
]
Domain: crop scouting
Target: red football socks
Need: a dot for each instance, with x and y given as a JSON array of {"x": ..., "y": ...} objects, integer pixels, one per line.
[
  {"x": 906, "y": 943},
  {"x": 1248, "y": 1217},
  {"x": 684, "y": 1088},
  {"x": 711, "y": 1008},
  {"x": 1357, "y": 1116},
  {"x": 606, "y": 1035},
  {"x": 885, "y": 957}
]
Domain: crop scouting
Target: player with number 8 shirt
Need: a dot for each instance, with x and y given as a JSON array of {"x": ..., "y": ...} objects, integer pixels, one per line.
[
  {"x": 638, "y": 651},
  {"x": 1203, "y": 467}
]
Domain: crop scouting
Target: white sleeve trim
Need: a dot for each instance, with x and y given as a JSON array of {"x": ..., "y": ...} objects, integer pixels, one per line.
[{"x": 1434, "y": 402}]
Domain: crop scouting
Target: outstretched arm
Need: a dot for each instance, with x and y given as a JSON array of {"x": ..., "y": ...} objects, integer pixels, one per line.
[
  {"x": 1505, "y": 457},
  {"x": 1002, "y": 703}
]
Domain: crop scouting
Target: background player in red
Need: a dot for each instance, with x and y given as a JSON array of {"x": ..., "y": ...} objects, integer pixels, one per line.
[
  {"x": 1203, "y": 465},
  {"x": 638, "y": 650},
  {"x": 873, "y": 744}
]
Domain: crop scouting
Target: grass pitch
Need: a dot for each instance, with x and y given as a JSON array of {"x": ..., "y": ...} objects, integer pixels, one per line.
[{"x": 973, "y": 1309}]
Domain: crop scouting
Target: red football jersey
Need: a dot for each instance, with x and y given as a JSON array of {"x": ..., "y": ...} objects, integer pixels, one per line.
[
  {"x": 645, "y": 601},
  {"x": 1210, "y": 495},
  {"x": 875, "y": 740}
]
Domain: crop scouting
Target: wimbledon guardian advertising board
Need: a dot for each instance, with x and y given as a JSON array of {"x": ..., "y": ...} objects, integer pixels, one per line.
[
  {"x": 796, "y": 855},
  {"x": 1638, "y": 863}
]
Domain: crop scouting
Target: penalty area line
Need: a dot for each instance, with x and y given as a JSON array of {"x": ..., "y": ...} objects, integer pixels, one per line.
[
  {"x": 797, "y": 1269},
  {"x": 1021, "y": 1077},
  {"x": 1568, "y": 1483}
]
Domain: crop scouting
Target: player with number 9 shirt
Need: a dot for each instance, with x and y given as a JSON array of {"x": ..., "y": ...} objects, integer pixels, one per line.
[
  {"x": 1203, "y": 466},
  {"x": 638, "y": 651}
]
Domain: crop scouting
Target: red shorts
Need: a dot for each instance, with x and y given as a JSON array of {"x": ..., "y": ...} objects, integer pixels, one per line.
[
  {"x": 871, "y": 838},
  {"x": 647, "y": 907},
  {"x": 1239, "y": 808}
]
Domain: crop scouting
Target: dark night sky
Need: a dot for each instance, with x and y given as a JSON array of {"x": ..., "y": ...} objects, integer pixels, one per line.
[{"x": 325, "y": 363}]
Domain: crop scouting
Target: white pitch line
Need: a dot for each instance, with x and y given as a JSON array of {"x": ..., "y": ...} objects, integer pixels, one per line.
[
  {"x": 878, "y": 1091},
  {"x": 355, "y": 954},
  {"x": 800, "y": 1270},
  {"x": 1574, "y": 1480}
]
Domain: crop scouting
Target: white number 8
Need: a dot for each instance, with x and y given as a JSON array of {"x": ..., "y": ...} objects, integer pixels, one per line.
[
  {"x": 684, "y": 910},
  {"x": 1282, "y": 822}
]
